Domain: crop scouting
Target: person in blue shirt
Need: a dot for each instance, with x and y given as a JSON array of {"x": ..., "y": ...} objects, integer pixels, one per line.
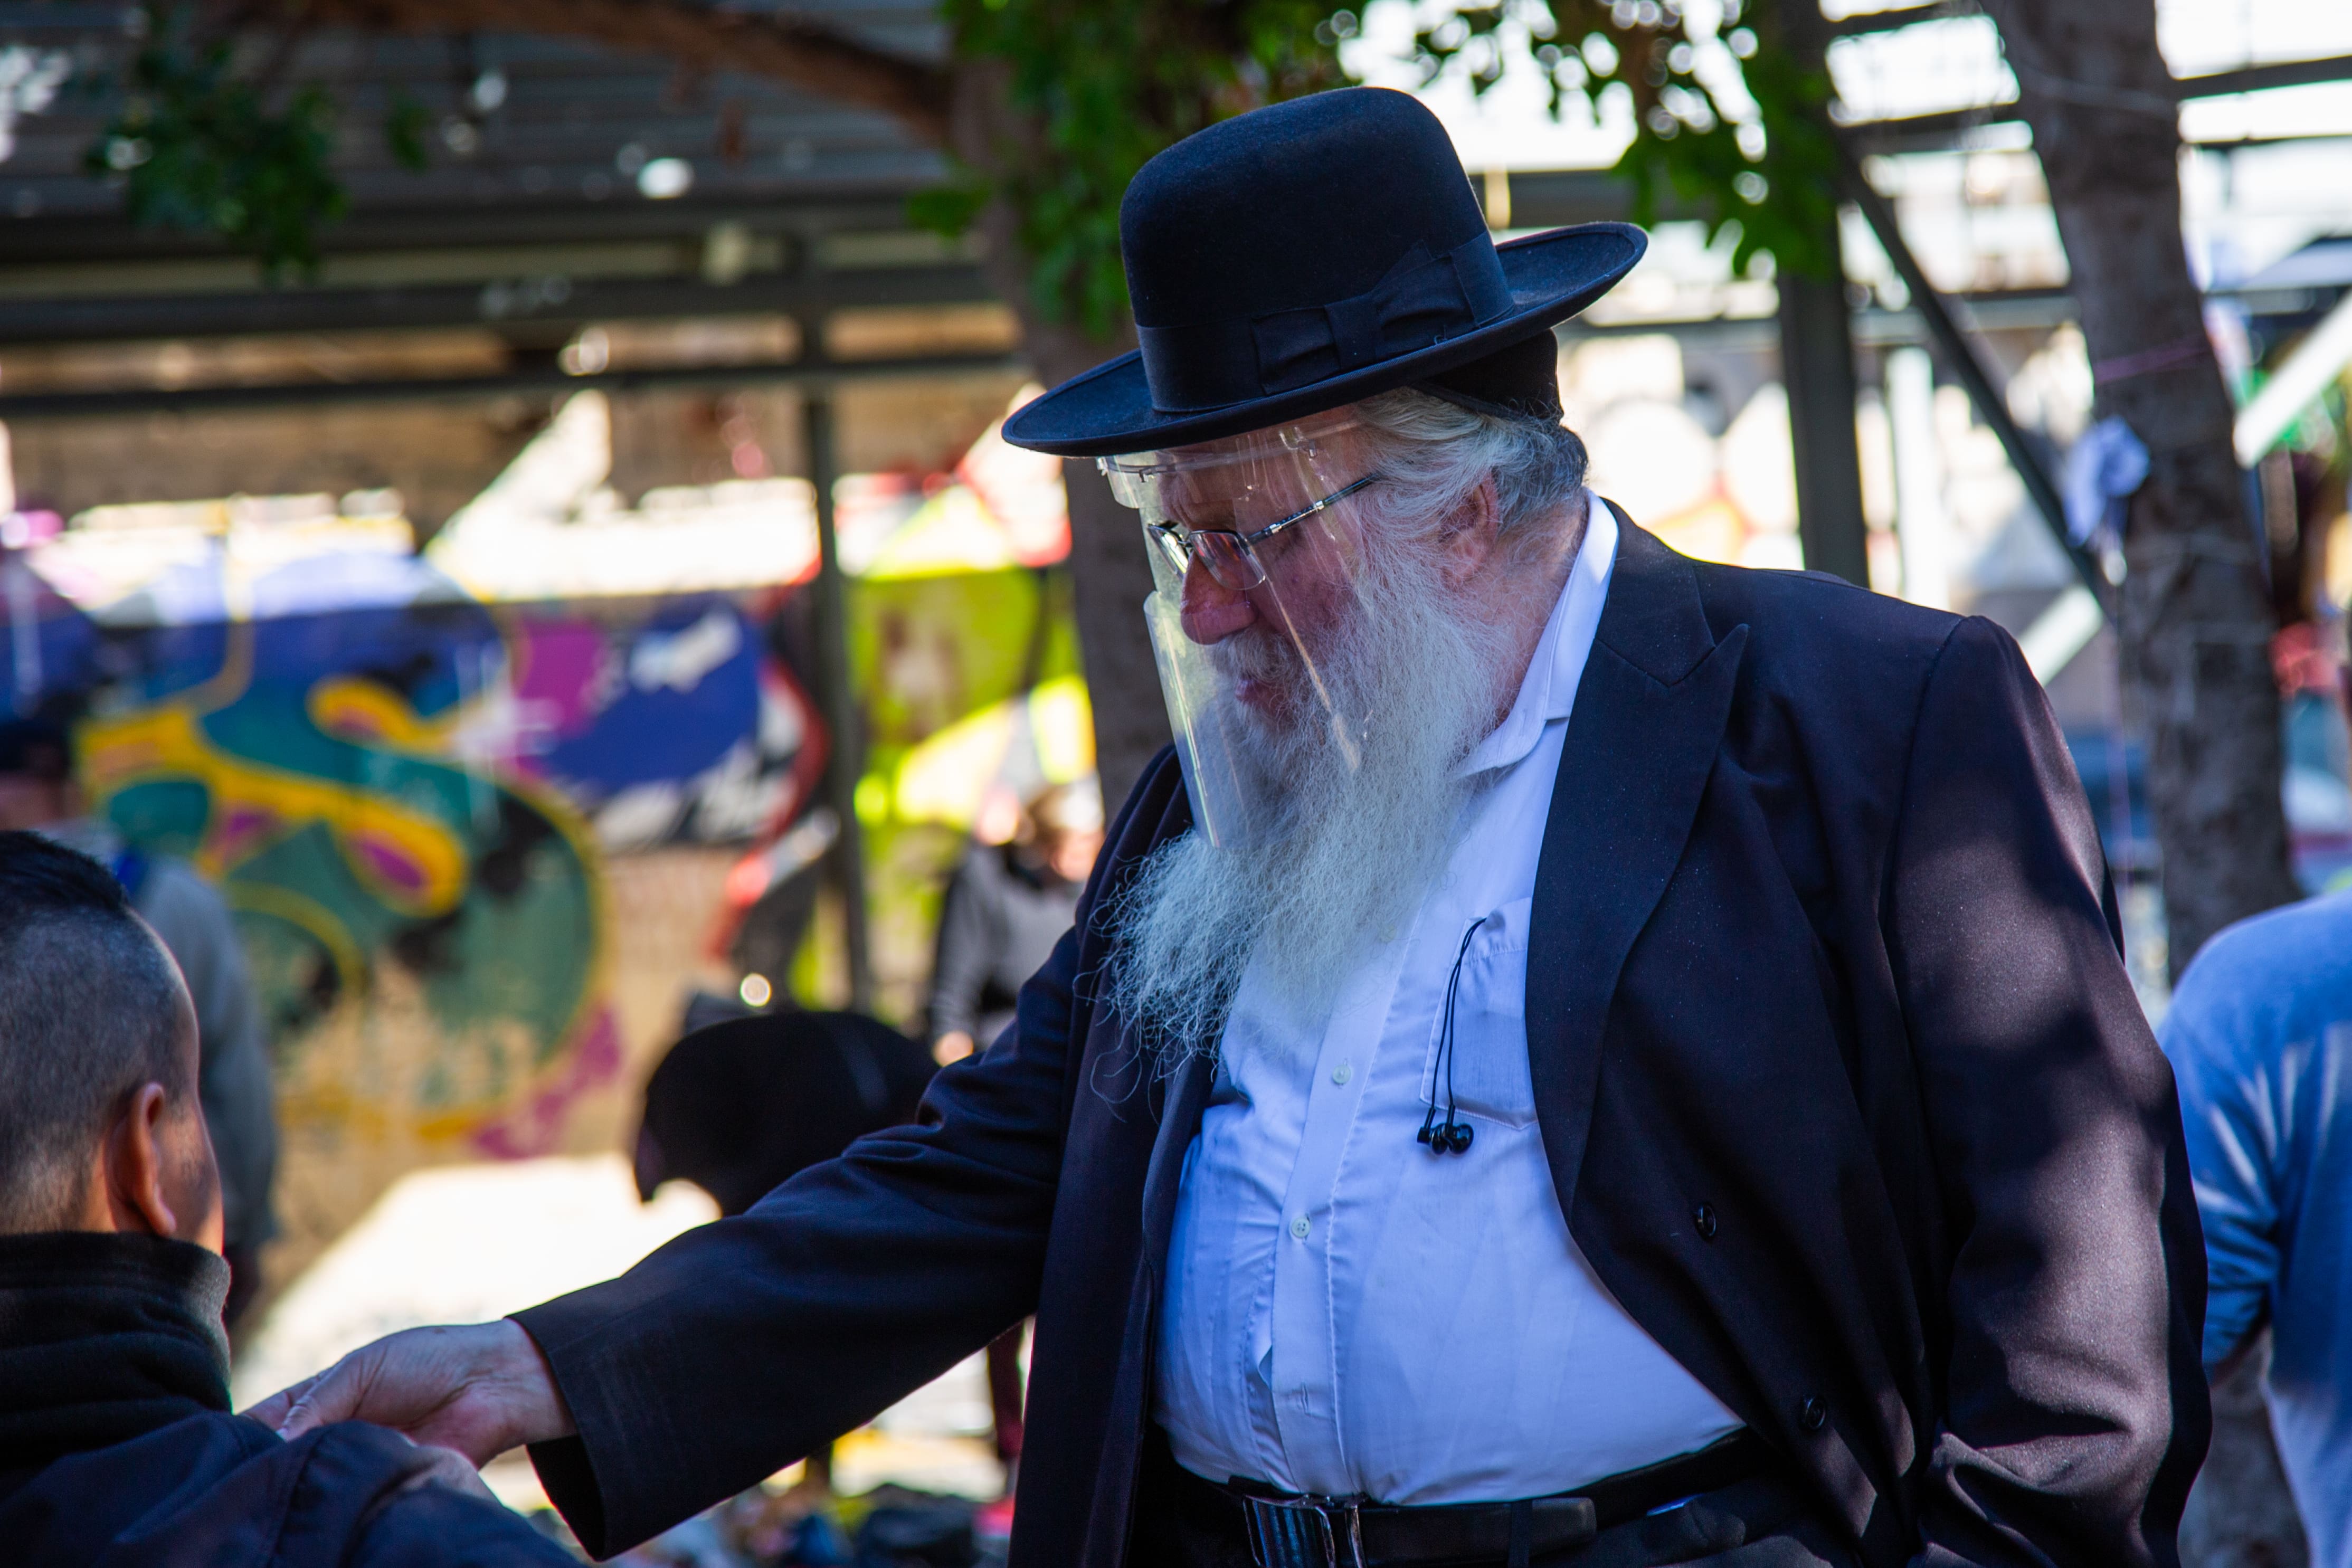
[{"x": 2260, "y": 1037}]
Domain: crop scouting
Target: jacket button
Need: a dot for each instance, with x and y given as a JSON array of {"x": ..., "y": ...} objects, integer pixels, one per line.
[
  {"x": 1704, "y": 1217},
  {"x": 1812, "y": 1415}
]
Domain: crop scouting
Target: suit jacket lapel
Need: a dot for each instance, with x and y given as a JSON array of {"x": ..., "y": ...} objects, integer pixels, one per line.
[
  {"x": 1641, "y": 739},
  {"x": 1110, "y": 1517},
  {"x": 1179, "y": 1118}
]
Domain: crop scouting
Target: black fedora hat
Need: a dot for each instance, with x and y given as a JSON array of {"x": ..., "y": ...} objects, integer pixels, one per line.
[{"x": 1308, "y": 255}]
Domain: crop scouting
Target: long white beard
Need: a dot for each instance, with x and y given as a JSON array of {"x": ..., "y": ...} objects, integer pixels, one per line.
[{"x": 1362, "y": 837}]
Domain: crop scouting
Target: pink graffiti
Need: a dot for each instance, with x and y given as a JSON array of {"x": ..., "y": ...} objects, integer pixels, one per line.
[
  {"x": 239, "y": 827},
  {"x": 535, "y": 1128},
  {"x": 559, "y": 672},
  {"x": 388, "y": 861}
]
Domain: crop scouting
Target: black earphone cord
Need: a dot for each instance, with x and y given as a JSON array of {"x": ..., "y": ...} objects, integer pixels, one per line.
[{"x": 1450, "y": 1136}]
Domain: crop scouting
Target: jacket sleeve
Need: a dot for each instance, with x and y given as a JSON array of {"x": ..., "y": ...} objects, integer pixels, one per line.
[
  {"x": 431, "y": 1526},
  {"x": 2075, "y": 1410},
  {"x": 744, "y": 1345}
]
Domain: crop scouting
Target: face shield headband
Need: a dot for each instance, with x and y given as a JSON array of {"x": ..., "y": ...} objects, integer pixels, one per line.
[{"x": 1256, "y": 553}]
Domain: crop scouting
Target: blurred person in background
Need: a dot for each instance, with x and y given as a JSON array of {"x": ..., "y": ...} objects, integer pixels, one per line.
[
  {"x": 1012, "y": 898},
  {"x": 116, "y": 1442},
  {"x": 2259, "y": 1036},
  {"x": 38, "y": 791}
]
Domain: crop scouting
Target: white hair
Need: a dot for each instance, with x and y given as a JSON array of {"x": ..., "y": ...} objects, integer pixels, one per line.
[
  {"x": 1433, "y": 453},
  {"x": 1369, "y": 825}
]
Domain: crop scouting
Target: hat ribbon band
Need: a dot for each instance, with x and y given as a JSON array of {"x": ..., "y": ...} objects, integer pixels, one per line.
[{"x": 1425, "y": 299}]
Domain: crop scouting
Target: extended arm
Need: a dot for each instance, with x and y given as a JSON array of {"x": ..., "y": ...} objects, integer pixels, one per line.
[
  {"x": 741, "y": 1345},
  {"x": 2074, "y": 1408},
  {"x": 745, "y": 1343}
]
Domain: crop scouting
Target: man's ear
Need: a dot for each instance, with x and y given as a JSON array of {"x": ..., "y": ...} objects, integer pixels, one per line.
[
  {"x": 136, "y": 1190},
  {"x": 1472, "y": 529}
]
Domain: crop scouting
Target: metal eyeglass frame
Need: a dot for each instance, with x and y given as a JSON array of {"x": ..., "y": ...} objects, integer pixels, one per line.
[{"x": 1179, "y": 546}]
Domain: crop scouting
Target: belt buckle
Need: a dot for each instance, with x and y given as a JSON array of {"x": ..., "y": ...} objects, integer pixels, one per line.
[{"x": 1305, "y": 1532}]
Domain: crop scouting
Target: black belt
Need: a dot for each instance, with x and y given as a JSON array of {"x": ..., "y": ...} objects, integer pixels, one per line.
[{"x": 1301, "y": 1532}]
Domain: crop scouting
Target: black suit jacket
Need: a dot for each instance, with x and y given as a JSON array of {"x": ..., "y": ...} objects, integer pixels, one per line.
[{"x": 1822, "y": 941}]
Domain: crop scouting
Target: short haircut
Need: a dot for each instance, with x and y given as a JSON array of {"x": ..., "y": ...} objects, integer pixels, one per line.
[{"x": 89, "y": 1011}]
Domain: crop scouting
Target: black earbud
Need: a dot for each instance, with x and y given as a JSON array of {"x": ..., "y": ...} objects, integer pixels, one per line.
[
  {"x": 1446, "y": 1137},
  {"x": 1449, "y": 1136}
]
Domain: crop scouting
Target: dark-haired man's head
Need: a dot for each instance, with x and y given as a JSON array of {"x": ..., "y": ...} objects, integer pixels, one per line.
[
  {"x": 37, "y": 776},
  {"x": 101, "y": 1128}
]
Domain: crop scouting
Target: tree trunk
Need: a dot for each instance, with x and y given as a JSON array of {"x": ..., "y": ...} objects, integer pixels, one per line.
[
  {"x": 2195, "y": 618},
  {"x": 1112, "y": 572}
]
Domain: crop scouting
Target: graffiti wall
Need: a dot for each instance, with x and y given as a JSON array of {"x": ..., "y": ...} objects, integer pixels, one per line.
[
  {"x": 410, "y": 799},
  {"x": 476, "y": 808}
]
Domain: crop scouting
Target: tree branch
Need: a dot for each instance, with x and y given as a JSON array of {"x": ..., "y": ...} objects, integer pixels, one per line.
[{"x": 782, "y": 45}]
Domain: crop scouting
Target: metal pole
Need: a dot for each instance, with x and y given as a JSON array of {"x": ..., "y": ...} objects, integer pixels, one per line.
[
  {"x": 1961, "y": 362},
  {"x": 1817, "y": 368},
  {"x": 845, "y": 761}
]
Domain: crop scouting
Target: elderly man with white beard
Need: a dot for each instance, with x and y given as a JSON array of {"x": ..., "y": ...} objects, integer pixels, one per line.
[{"x": 1575, "y": 1056}]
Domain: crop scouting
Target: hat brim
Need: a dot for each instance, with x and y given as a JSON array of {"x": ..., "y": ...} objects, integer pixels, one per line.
[{"x": 1108, "y": 410}]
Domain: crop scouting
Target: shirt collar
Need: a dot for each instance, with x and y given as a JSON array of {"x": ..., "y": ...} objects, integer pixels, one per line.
[{"x": 1548, "y": 689}]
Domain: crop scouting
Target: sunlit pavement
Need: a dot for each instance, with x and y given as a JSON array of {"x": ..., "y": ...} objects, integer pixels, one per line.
[{"x": 471, "y": 1243}]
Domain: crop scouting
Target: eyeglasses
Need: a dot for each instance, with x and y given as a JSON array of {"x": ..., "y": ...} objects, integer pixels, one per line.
[{"x": 1229, "y": 557}]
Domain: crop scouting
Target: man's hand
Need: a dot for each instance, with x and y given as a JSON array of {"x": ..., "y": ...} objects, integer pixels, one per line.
[{"x": 479, "y": 1390}]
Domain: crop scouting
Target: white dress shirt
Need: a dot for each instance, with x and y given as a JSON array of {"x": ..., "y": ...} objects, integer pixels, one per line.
[{"x": 1347, "y": 1313}]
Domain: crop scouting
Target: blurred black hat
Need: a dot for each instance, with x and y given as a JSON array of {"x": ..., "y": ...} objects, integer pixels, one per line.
[{"x": 740, "y": 1106}]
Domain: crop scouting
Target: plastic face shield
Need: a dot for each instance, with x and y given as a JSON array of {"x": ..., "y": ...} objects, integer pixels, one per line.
[{"x": 1255, "y": 553}]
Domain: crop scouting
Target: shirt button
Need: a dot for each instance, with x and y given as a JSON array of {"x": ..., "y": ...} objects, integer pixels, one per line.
[
  {"x": 1299, "y": 1227},
  {"x": 1812, "y": 1415},
  {"x": 1388, "y": 933},
  {"x": 1341, "y": 1073},
  {"x": 1703, "y": 1216}
]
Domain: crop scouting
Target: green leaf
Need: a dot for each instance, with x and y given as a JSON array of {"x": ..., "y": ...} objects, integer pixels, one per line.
[
  {"x": 1109, "y": 86},
  {"x": 196, "y": 147},
  {"x": 1687, "y": 142},
  {"x": 948, "y": 211},
  {"x": 405, "y": 126}
]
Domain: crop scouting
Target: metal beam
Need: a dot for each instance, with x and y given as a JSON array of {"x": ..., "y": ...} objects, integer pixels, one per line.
[
  {"x": 1817, "y": 370},
  {"x": 520, "y": 220},
  {"x": 836, "y": 696},
  {"x": 1868, "y": 22},
  {"x": 549, "y": 300},
  {"x": 813, "y": 370},
  {"x": 1949, "y": 123},
  {"x": 1961, "y": 363}
]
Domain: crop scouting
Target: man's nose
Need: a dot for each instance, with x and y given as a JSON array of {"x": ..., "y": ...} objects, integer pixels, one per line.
[{"x": 1211, "y": 612}]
